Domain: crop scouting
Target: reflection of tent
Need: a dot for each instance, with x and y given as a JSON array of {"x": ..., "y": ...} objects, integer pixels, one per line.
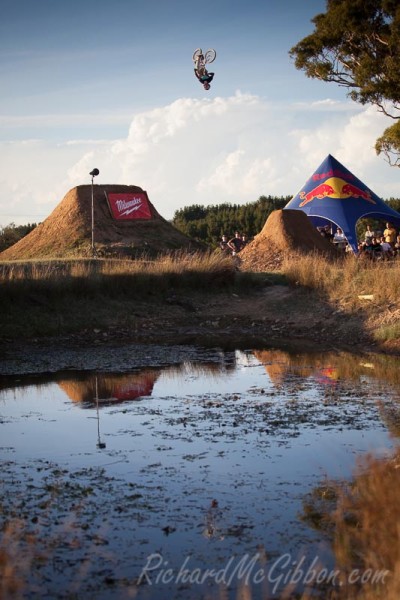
[
  {"x": 334, "y": 195},
  {"x": 109, "y": 388}
]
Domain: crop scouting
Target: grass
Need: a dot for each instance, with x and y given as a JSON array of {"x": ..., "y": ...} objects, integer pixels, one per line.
[
  {"x": 63, "y": 296},
  {"x": 67, "y": 295},
  {"x": 343, "y": 282},
  {"x": 362, "y": 520}
]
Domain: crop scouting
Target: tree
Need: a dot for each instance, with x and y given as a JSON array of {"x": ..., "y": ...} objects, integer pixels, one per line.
[
  {"x": 207, "y": 224},
  {"x": 11, "y": 234},
  {"x": 356, "y": 43}
]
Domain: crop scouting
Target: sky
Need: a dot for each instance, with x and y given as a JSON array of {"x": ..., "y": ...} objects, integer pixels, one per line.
[{"x": 109, "y": 84}]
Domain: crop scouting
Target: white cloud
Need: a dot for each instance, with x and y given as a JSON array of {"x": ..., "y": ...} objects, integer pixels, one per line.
[{"x": 193, "y": 151}]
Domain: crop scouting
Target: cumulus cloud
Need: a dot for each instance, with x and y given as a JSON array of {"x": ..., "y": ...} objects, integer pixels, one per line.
[{"x": 206, "y": 151}]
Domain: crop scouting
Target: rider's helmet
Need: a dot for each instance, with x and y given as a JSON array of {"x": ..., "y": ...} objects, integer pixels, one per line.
[{"x": 207, "y": 86}]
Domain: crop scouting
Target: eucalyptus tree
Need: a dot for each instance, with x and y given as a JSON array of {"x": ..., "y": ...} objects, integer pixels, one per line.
[{"x": 356, "y": 44}]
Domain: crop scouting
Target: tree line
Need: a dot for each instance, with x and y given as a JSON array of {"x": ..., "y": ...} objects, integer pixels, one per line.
[
  {"x": 11, "y": 234},
  {"x": 208, "y": 223}
]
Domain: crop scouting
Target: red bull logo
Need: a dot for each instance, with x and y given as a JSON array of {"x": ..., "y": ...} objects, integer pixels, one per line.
[{"x": 335, "y": 187}]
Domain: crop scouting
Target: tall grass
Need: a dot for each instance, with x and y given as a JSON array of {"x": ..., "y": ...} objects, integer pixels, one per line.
[
  {"x": 345, "y": 280},
  {"x": 179, "y": 270},
  {"x": 63, "y": 296}
]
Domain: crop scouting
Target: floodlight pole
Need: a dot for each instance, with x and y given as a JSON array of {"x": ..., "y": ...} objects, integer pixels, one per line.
[{"x": 93, "y": 175}]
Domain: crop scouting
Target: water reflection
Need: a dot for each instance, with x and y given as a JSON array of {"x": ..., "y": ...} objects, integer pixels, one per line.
[
  {"x": 107, "y": 388},
  {"x": 328, "y": 368},
  {"x": 282, "y": 367},
  {"x": 206, "y": 459}
]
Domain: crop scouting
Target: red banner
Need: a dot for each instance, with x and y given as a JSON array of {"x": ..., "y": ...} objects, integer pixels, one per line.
[{"x": 129, "y": 206}]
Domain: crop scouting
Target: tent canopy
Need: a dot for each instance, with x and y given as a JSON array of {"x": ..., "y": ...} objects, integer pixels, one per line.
[{"x": 334, "y": 195}]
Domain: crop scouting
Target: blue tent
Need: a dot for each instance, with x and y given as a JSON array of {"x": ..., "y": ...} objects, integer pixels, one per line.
[{"x": 334, "y": 195}]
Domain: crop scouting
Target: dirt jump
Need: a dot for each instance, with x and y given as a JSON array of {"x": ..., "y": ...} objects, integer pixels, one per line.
[
  {"x": 285, "y": 233},
  {"x": 66, "y": 233}
]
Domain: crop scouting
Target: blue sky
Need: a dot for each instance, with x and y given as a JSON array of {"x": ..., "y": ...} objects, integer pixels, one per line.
[{"x": 110, "y": 85}]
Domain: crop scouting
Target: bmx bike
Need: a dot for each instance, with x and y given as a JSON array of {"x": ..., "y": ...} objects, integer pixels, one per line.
[{"x": 207, "y": 58}]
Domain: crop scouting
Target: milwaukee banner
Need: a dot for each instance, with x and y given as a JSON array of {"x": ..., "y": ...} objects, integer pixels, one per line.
[{"x": 129, "y": 206}]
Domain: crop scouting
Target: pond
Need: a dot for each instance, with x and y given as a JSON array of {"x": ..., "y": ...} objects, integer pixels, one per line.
[{"x": 184, "y": 476}]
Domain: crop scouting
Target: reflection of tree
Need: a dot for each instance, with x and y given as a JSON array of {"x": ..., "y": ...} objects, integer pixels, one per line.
[
  {"x": 280, "y": 365},
  {"x": 328, "y": 367},
  {"x": 362, "y": 520}
]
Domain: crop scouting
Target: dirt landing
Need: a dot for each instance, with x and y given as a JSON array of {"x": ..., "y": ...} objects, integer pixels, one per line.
[{"x": 285, "y": 232}]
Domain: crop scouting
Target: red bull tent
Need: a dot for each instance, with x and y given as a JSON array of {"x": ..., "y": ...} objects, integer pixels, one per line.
[{"x": 334, "y": 195}]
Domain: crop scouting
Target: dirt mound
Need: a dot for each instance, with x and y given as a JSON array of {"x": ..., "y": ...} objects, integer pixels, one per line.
[
  {"x": 67, "y": 231},
  {"x": 285, "y": 233}
]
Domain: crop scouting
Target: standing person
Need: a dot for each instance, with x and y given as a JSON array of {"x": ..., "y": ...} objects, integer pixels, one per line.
[
  {"x": 236, "y": 243},
  {"x": 369, "y": 234},
  {"x": 397, "y": 245},
  {"x": 224, "y": 244},
  {"x": 339, "y": 239},
  {"x": 390, "y": 234}
]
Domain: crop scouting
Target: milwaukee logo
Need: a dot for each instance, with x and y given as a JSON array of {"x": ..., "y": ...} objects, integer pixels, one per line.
[
  {"x": 126, "y": 208},
  {"x": 129, "y": 206}
]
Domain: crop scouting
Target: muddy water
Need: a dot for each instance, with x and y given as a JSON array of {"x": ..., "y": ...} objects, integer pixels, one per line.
[{"x": 185, "y": 480}]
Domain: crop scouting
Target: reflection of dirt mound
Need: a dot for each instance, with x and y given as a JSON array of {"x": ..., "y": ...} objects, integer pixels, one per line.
[
  {"x": 285, "y": 232},
  {"x": 112, "y": 388},
  {"x": 279, "y": 365},
  {"x": 67, "y": 231}
]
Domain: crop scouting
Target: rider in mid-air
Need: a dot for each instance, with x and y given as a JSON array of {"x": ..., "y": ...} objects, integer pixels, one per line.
[{"x": 201, "y": 72}]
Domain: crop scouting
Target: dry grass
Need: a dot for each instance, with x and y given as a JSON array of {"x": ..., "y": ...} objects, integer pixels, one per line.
[
  {"x": 365, "y": 531},
  {"x": 180, "y": 269},
  {"x": 343, "y": 282},
  {"x": 57, "y": 297},
  {"x": 177, "y": 262}
]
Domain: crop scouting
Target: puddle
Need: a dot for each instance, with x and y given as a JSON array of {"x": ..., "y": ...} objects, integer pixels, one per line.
[{"x": 184, "y": 480}]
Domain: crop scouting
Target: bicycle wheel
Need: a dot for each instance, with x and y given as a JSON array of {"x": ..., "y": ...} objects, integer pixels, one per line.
[
  {"x": 197, "y": 53},
  {"x": 210, "y": 56}
]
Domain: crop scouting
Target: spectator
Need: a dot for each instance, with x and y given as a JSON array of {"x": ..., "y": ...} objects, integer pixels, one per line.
[
  {"x": 376, "y": 249},
  {"x": 326, "y": 232},
  {"x": 339, "y": 239},
  {"x": 369, "y": 234},
  {"x": 224, "y": 244},
  {"x": 362, "y": 250},
  {"x": 236, "y": 243},
  {"x": 387, "y": 250},
  {"x": 390, "y": 234},
  {"x": 369, "y": 248},
  {"x": 397, "y": 245}
]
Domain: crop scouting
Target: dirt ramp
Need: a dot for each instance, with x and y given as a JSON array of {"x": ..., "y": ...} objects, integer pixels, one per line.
[
  {"x": 285, "y": 232},
  {"x": 67, "y": 231}
]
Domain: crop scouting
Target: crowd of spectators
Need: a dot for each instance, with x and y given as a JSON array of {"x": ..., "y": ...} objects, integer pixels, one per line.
[
  {"x": 376, "y": 245},
  {"x": 234, "y": 245},
  {"x": 380, "y": 245}
]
